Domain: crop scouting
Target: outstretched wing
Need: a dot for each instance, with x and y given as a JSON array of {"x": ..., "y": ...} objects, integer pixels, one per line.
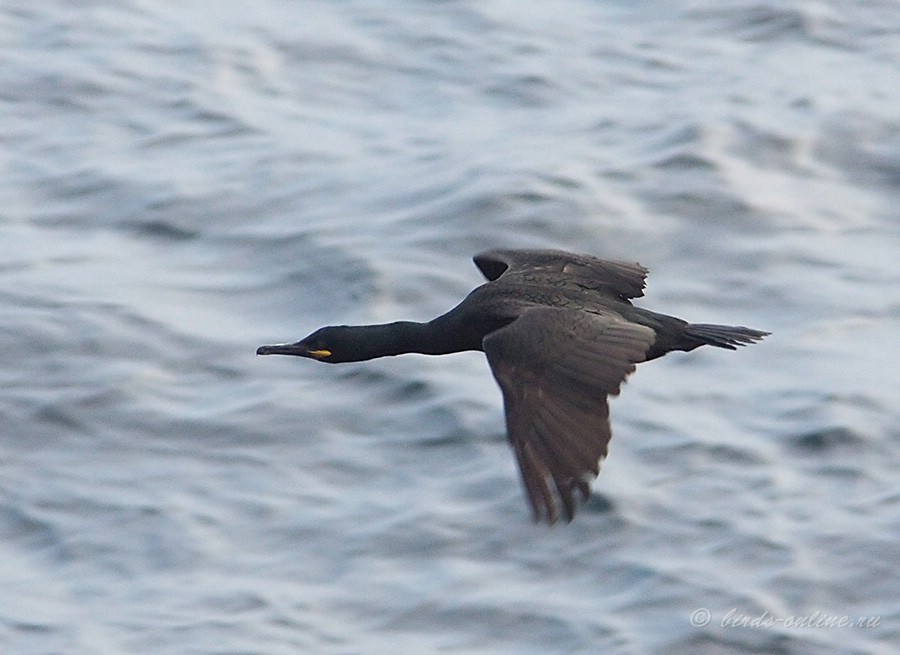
[
  {"x": 556, "y": 368},
  {"x": 624, "y": 279}
]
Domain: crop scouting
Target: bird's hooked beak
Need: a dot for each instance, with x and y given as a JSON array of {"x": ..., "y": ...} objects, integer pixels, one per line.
[{"x": 298, "y": 349}]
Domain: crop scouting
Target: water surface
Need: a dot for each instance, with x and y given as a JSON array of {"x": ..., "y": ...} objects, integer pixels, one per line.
[{"x": 181, "y": 182}]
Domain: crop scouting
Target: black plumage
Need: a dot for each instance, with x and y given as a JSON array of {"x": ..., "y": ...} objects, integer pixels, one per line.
[{"x": 560, "y": 334}]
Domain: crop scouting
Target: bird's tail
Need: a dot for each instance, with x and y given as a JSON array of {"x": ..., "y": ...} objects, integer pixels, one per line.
[{"x": 723, "y": 336}]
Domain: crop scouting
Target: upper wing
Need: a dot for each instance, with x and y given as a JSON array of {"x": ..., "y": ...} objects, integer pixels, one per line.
[
  {"x": 555, "y": 368},
  {"x": 625, "y": 279}
]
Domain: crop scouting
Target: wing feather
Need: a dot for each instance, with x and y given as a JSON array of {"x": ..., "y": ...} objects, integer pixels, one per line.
[
  {"x": 556, "y": 367},
  {"x": 533, "y": 475},
  {"x": 625, "y": 279}
]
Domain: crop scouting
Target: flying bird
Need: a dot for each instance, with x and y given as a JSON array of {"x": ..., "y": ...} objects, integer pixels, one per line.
[{"x": 560, "y": 334}]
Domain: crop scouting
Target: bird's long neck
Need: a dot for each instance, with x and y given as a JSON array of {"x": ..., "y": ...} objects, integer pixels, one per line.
[{"x": 433, "y": 338}]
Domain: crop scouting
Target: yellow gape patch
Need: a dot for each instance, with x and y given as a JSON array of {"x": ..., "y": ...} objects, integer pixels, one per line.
[{"x": 319, "y": 354}]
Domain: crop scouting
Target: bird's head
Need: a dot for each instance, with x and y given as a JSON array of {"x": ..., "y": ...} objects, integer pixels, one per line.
[{"x": 332, "y": 344}]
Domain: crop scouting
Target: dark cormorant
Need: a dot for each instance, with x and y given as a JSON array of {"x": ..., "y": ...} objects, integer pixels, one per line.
[{"x": 560, "y": 335}]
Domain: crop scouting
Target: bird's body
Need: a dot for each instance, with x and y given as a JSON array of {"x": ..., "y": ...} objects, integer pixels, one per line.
[{"x": 560, "y": 334}]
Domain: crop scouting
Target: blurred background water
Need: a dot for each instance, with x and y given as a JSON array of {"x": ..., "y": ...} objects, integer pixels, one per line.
[{"x": 183, "y": 181}]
